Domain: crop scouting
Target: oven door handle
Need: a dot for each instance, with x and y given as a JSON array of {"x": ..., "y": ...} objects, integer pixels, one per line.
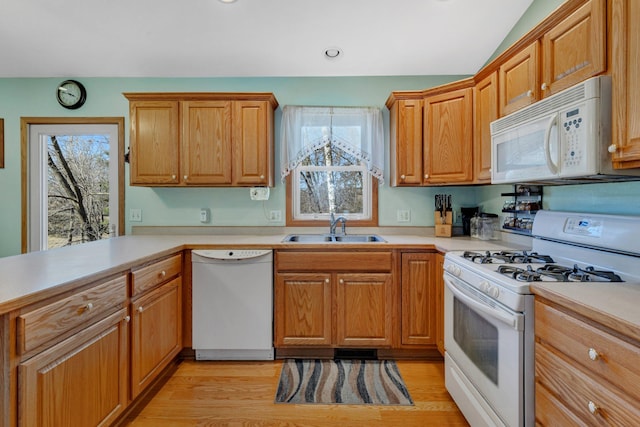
[{"x": 513, "y": 321}]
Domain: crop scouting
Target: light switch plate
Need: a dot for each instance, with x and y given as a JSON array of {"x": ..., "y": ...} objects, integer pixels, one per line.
[
  {"x": 403, "y": 215},
  {"x": 205, "y": 215},
  {"x": 135, "y": 215}
]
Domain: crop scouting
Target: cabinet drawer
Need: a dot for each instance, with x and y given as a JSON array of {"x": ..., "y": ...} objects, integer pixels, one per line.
[
  {"x": 53, "y": 320},
  {"x": 615, "y": 360},
  {"x": 145, "y": 278},
  {"x": 584, "y": 394},
  {"x": 334, "y": 261}
]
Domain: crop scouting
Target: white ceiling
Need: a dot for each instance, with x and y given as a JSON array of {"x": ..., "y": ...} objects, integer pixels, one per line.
[{"x": 252, "y": 38}]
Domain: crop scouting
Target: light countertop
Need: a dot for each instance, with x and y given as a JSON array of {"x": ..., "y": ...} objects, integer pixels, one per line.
[{"x": 31, "y": 277}]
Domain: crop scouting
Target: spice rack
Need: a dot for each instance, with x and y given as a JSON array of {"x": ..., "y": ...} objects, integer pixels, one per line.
[{"x": 525, "y": 201}]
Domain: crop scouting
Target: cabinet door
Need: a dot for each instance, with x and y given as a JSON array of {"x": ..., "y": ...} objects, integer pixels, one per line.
[
  {"x": 575, "y": 49},
  {"x": 303, "y": 309},
  {"x": 439, "y": 309},
  {"x": 519, "y": 80},
  {"x": 625, "y": 62},
  {"x": 81, "y": 381},
  {"x": 418, "y": 299},
  {"x": 154, "y": 143},
  {"x": 485, "y": 110},
  {"x": 156, "y": 328},
  {"x": 448, "y": 137},
  {"x": 406, "y": 144},
  {"x": 252, "y": 143},
  {"x": 364, "y": 310},
  {"x": 206, "y": 142}
]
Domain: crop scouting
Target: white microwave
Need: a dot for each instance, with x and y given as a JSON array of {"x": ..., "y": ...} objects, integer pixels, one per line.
[{"x": 562, "y": 138}]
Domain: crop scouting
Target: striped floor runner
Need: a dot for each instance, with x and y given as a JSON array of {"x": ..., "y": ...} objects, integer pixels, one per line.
[{"x": 352, "y": 382}]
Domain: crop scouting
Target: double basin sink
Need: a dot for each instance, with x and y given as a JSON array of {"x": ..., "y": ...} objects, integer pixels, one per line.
[{"x": 335, "y": 238}]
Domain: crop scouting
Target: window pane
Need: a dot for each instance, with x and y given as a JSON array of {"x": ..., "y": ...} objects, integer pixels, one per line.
[{"x": 322, "y": 192}]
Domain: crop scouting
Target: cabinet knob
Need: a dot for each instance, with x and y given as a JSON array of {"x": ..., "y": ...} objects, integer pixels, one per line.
[
  {"x": 402, "y": 177},
  {"x": 593, "y": 354},
  {"x": 326, "y": 280},
  {"x": 261, "y": 176},
  {"x": 544, "y": 86},
  {"x": 529, "y": 93},
  {"x": 173, "y": 177},
  {"x": 185, "y": 177},
  {"x": 426, "y": 176},
  {"x": 163, "y": 274},
  {"x": 140, "y": 309},
  {"x": 127, "y": 319},
  {"x": 341, "y": 281},
  {"x": 593, "y": 408},
  {"x": 612, "y": 148},
  {"x": 88, "y": 307}
]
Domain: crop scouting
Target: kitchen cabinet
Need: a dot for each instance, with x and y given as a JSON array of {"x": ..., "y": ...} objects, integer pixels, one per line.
[
  {"x": 201, "y": 139},
  {"x": 419, "y": 299},
  {"x": 485, "y": 110},
  {"x": 570, "y": 51},
  {"x": 156, "y": 320},
  {"x": 585, "y": 373},
  {"x": 625, "y": 66},
  {"x": 72, "y": 362},
  {"x": 405, "y": 121},
  {"x": 448, "y": 137},
  {"x": 334, "y": 298}
]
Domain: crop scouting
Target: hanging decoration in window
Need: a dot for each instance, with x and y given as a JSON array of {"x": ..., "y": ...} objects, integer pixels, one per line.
[{"x": 356, "y": 130}]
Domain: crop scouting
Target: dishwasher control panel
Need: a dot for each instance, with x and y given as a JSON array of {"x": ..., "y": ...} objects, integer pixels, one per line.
[{"x": 232, "y": 254}]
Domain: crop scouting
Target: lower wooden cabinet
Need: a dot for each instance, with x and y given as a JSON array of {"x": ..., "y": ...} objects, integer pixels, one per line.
[
  {"x": 418, "y": 306},
  {"x": 156, "y": 328},
  {"x": 334, "y": 299},
  {"x": 585, "y": 375},
  {"x": 81, "y": 381}
]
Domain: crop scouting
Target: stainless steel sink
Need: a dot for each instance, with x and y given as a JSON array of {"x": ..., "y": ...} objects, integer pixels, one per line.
[{"x": 342, "y": 238}]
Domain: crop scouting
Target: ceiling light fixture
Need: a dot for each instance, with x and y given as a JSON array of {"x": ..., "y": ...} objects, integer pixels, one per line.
[{"x": 332, "y": 53}]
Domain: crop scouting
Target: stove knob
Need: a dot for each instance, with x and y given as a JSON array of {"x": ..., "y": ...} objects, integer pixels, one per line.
[
  {"x": 484, "y": 286},
  {"x": 494, "y": 291},
  {"x": 454, "y": 270}
]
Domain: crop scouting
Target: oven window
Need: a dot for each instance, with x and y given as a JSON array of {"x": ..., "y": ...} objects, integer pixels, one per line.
[{"x": 477, "y": 338}]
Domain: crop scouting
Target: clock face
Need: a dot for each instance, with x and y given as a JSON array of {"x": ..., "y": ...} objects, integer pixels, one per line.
[{"x": 71, "y": 94}]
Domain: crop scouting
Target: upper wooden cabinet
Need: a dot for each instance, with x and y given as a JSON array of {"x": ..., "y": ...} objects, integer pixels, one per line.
[
  {"x": 448, "y": 137},
  {"x": 485, "y": 110},
  {"x": 432, "y": 135},
  {"x": 405, "y": 123},
  {"x": 568, "y": 52},
  {"x": 201, "y": 139},
  {"x": 625, "y": 64}
]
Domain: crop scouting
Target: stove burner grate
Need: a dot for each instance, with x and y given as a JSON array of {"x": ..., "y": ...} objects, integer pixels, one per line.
[
  {"x": 506, "y": 257},
  {"x": 558, "y": 273}
]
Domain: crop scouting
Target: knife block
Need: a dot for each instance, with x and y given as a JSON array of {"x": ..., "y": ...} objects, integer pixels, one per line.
[{"x": 443, "y": 229}]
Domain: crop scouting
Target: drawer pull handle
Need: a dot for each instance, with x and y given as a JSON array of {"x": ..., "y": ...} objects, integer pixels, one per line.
[
  {"x": 593, "y": 354},
  {"x": 88, "y": 307},
  {"x": 140, "y": 309},
  {"x": 593, "y": 408},
  {"x": 163, "y": 273},
  {"x": 127, "y": 319}
]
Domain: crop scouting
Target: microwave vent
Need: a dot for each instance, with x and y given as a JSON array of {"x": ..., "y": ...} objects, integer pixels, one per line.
[{"x": 580, "y": 92}]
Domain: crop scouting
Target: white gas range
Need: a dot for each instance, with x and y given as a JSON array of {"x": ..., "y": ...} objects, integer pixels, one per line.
[{"x": 489, "y": 336}]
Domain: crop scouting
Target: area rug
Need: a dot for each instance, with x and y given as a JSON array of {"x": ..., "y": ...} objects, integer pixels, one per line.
[{"x": 351, "y": 382}]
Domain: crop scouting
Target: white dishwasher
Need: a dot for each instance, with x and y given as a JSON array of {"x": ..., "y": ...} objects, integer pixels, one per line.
[{"x": 232, "y": 304}]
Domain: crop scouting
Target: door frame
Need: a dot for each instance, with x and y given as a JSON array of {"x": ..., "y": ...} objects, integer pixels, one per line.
[{"x": 25, "y": 122}]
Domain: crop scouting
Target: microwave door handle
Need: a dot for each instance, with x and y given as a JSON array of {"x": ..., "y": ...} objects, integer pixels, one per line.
[
  {"x": 511, "y": 320},
  {"x": 547, "y": 144}
]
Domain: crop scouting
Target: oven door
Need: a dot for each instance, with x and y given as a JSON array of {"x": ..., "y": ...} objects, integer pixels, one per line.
[{"x": 485, "y": 341}]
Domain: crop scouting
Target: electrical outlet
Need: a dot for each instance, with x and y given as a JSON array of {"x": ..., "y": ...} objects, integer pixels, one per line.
[
  {"x": 205, "y": 215},
  {"x": 403, "y": 215},
  {"x": 275, "y": 216},
  {"x": 259, "y": 193},
  {"x": 135, "y": 215}
]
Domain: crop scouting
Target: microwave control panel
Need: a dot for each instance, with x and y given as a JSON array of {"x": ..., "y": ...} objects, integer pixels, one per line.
[{"x": 573, "y": 127}]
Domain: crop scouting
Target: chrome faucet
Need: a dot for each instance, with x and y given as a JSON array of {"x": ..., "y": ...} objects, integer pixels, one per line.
[{"x": 334, "y": 221}]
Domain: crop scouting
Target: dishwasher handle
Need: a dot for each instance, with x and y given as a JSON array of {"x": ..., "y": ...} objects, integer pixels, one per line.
[{"x": 230, "y": 254}]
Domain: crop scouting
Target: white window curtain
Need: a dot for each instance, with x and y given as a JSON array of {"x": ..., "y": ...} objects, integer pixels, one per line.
[{"x": 356, "y": 130}]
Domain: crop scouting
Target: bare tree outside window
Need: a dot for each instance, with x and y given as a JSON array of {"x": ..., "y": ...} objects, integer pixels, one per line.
[{"x": 78, "y": 194}]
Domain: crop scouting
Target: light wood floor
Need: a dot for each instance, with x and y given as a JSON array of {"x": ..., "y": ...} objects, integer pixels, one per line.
[{"x": 242, "y": 394}]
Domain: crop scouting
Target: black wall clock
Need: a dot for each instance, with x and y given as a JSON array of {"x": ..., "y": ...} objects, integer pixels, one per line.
[{"x": 71, "y": 94}]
